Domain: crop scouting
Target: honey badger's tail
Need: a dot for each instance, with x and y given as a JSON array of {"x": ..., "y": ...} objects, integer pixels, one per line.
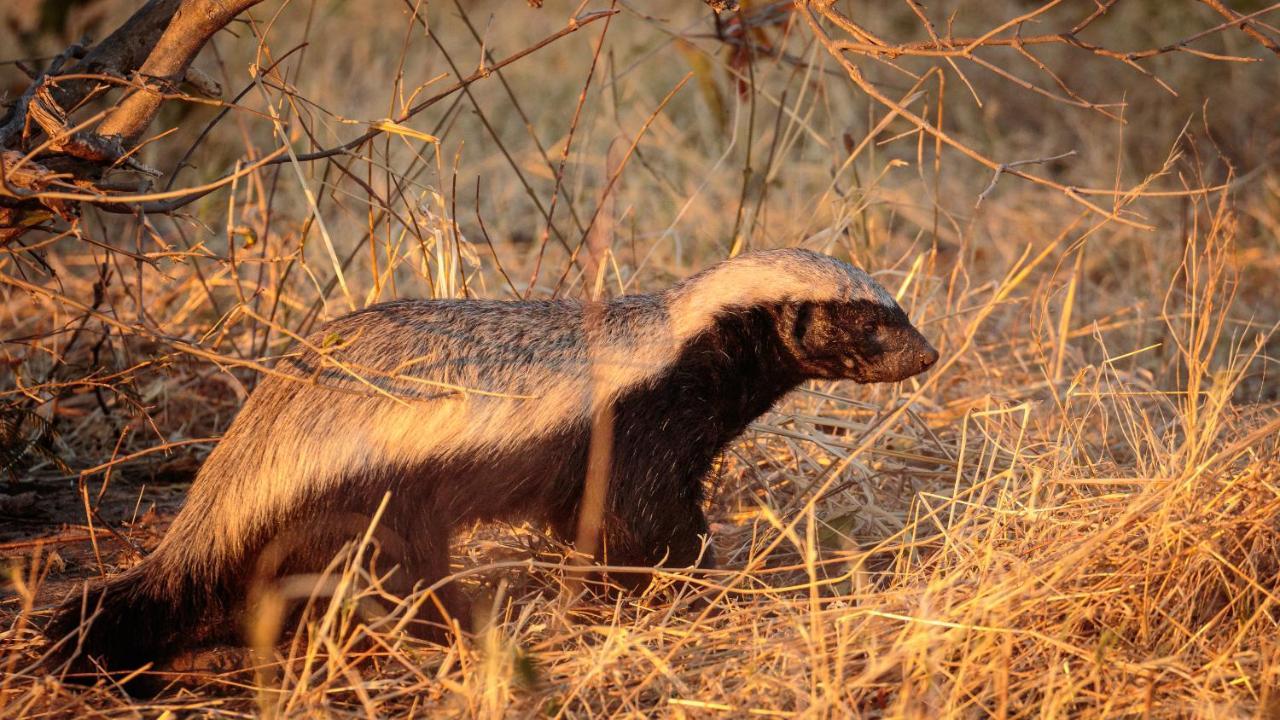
[
  {"x": 188, "y": 591},
  {"x": 147, "y": 614}
]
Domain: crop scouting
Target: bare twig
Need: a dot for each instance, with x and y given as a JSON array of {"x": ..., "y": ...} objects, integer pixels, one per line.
[
  {"x": 1005, "y": 167},
  {"x": 1246, "y": 24}
]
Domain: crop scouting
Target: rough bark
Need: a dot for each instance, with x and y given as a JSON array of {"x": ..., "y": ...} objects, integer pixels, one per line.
[
  {"x": 152, "y": 51},
  {"x": 189, "y": 30},
  {"x": 120, "y": 52}
]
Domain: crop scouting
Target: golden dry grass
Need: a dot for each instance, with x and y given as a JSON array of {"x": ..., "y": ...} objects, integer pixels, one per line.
[{"x": 1076, "y": 514}]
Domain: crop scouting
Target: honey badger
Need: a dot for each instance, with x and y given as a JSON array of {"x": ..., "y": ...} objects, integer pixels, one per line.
[{"x": 468, "y": 411}]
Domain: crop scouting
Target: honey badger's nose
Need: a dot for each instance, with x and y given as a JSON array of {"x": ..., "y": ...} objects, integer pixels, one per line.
[{"x": 928, "y": 356}]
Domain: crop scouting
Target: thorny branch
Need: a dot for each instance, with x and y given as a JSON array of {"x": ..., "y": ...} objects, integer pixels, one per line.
[
  {"x": 1006, "y": 167},
  {"x": 862, "y": 42},
  {"x": 168, "y": 201}
]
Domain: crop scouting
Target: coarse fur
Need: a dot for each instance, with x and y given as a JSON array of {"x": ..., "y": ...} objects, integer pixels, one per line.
[{"x": 469, "y": 411}]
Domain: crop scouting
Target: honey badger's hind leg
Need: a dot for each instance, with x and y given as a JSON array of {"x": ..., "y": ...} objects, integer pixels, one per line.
[
  {"x": 406, "y": 554},
  {"x": 421, "y": 562}
]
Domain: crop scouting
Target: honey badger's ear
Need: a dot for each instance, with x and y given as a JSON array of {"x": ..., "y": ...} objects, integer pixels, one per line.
[
  {"x": 804, "y": 325},
  {"x": 801, "y": 315},
  {"x": 790, "y": 318}
]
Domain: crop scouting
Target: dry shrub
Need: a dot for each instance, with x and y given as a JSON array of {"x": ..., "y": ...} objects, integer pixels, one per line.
[{"x": 1075, "y": 515}]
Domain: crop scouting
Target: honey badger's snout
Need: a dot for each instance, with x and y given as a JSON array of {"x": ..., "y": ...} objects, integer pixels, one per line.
[{"x": 906, "y": 352}]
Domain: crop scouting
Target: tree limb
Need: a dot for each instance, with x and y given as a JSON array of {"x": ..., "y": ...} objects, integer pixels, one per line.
[
  {"x": 191, "y": 28},
  {"x": 121, "y": 51}
]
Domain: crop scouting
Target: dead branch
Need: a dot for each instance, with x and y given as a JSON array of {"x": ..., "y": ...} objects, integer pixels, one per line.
[
  {"x": 56, "y": 161},
  {"x": 82, "y": 158},
  {"x": 1246, "y": 24},
  {"x": 191, "y": 28},
  {"x": 1006, "y": 167},
  {"x": 862, "y": 42},
  {"x": 151, "y": 52},
  {"x": 121, "y": 52}
]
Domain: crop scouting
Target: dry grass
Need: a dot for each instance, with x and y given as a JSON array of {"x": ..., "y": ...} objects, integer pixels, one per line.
[{"x": 1077, "y": 514}]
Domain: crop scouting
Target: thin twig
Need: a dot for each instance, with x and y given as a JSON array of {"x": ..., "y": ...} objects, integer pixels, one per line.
[{"x": 1006, "y": 167}]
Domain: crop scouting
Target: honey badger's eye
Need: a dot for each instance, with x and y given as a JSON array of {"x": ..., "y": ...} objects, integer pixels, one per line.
[{"x": 870, "y": 327}]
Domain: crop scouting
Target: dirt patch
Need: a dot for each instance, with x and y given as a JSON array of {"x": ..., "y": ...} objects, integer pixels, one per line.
[{"x": 130, "y": 517}]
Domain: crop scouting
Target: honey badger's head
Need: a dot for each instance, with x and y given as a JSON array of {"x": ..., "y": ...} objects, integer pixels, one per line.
[
  {"x": 862, "y": 340},
  {"x": 845, "y": 325},
  {"x": 832, "y": 319}
]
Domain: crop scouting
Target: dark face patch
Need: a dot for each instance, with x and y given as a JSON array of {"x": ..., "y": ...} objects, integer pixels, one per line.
[{"x": 857, "y": 340}]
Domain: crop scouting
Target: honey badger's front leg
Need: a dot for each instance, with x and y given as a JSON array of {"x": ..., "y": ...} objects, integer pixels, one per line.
[
  {"x": 654, "y": 511},
  {"x": 662, "y": 530},
  {"x": 643, "y": 526}
]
